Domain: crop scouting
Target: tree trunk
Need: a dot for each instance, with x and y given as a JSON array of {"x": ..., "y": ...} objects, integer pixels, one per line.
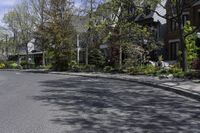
[
  {"x": 86, "y": 55},
  {"x": 43, "y": 59},
  {"x": 184, "y": 63},
  {"x": 120, "y": 56},
  {"x": 27, "y": 57},
  {"x": 120, "y": 49},
  {"x": 78, "y": 49},
  {"x": 7, "y": 46}
]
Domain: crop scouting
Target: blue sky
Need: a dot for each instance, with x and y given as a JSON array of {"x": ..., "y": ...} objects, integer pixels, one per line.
[{"x": 5, "y": 6}]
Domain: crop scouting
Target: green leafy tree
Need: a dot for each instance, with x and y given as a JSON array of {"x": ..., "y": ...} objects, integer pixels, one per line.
[
  {"x": 59, "y": 33},
  {"x": 21, "y": 23},
  {"x": 118, "y": 28},
  {"x": 175, "y": 10},
  {"x": 89, "y": 10},
  {"x": 190, "y": 42},
  {"x": 96, "y": 58}
]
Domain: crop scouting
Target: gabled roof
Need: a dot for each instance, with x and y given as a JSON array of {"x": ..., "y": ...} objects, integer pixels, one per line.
[
  {"x": 197, "y": 3},
  {"x": 153, "y": 15},
  {"x": 162, "y": 11}
]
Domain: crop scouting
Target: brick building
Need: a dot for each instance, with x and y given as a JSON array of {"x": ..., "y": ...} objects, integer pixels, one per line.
[{"x": 190, "y": 13}]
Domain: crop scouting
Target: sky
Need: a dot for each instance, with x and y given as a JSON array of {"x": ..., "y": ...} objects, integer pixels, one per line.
[{"x": 5, "y": 6}]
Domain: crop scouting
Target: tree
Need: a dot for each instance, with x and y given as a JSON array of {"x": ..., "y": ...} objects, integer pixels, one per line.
[
  {"x": 119, "y": 28},
  {"x": 89, "y": 10},
  {"x": 175, "y": 12},
  {"x": 190, "y": 40},
  {"x": 25, "y": 22},
  {"x": 21, "y": 23},
  {"x": 11, "y": 20},
  {"x": 38, "y": 8},
  {"x": 59, "y": 32},
  {"x": 96, "y": 58}
]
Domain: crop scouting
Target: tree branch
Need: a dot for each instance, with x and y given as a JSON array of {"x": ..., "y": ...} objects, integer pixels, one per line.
[{"x": 193, "y": 31}]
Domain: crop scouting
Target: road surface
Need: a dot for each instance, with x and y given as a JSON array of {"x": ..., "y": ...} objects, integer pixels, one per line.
[{"x": 45, "y": 103}]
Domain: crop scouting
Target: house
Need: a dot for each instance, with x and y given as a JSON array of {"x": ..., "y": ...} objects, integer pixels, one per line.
[
  {"x": 79, "y": 22},
  {"x": 190, "y": 13},
  {"x": 157, "y": 26},
  {"x": 35, "y": 55},
  {"x": 153, "y": 21},
  {"x": 156, "y": 23}
]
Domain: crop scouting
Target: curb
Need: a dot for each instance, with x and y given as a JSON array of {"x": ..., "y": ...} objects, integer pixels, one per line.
[
  {"x": 26, "y": 71},
  {"x": 177, "y": 90}
]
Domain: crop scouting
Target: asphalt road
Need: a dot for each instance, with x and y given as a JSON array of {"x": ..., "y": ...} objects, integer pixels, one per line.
[{"x": 44, "y": 103}]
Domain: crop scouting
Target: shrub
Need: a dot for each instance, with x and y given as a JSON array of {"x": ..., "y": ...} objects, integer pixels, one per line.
[
  {"x": 49, "y": 66},
  {"x": 163, "y": 71},
  {"x": 96, "y": 58},
  {"x": 128, "y": 63},
  {"x": 89, "y": 68},
  {"x": 2, "y": 65},
  {"x": 175, "y": 70},
  {"x": 14, "y": 66},
  {"x": 149, "y": 69},
  {"x": 143, "y": 69},
  {"x": 179, "y": 75},
  {"x": 192, "y": 74},
  {"x": 196, "y": 64},
  {"x": 26, "y": 65},
  {"x": 74, "y": 66},
  {"x": 108, "y": 69},
  {"x": 133, "y": 70},
  {"x": 9, "y": 65}
]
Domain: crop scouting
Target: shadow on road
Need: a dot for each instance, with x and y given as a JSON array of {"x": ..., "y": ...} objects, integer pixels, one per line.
[{"x": 97, "y": 105}]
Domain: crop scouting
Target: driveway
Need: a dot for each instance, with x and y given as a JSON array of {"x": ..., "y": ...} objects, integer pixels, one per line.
[{"x": 45, "y": 103}]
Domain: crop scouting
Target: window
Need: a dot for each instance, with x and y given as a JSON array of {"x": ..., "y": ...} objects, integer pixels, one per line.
[
  {"x": 173, "y": 8},
  {"x": 173, "y": 25},
  {"x": 173, "y": 50},
  {"x": 199, "y": 18},
  {"x": 185, "y": 18}
]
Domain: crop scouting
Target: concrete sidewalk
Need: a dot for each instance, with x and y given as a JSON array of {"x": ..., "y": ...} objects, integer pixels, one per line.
[{"x": 183, "y": 87}]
